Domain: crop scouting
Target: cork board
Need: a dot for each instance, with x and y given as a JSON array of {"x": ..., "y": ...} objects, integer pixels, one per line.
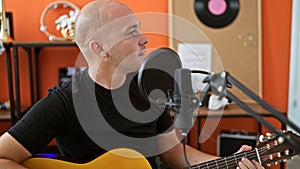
[{"x": 236, "y": 47}]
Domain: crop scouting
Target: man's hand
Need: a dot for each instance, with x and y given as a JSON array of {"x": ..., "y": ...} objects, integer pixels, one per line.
[{"x": 247, "y": 164}]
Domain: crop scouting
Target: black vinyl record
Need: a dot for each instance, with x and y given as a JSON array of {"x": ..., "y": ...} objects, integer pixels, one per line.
[{"x": 216, "y": 13}]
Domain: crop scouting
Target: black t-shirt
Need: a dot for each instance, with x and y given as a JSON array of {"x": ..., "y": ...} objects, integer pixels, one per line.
[{"x": 84, "y": 131}]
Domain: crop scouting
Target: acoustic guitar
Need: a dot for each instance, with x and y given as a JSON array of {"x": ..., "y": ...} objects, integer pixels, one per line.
[
  {"x": 119, "y": 158},
  {"x": 271, "y": 150}
]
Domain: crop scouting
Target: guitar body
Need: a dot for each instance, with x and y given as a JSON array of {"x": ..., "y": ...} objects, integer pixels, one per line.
[{"x": 118, "y": 158}]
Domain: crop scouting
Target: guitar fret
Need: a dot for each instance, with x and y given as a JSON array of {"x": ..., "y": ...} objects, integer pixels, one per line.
[
  {"x": 221, "y": 162},
  {"x": 258, "y": 156},
  {"x": 235, "y": 160},
  {"x": 210, "y": 164},
  {"x": 205, "y": 165},
  {"x": 226, "y": 162},
  {"x": 198, "y": 166},
  {"x": 216, "y": 164}
]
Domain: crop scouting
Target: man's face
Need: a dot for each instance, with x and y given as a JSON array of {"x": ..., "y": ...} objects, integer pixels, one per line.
[{"x": 126, "y": 44}]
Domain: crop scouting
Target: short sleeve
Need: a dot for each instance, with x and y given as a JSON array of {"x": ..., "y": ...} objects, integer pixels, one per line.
[{"x": 41, "y": 123}]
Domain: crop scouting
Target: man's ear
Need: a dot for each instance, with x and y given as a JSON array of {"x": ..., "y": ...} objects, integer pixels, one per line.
[{"x": 97, "y": 48}]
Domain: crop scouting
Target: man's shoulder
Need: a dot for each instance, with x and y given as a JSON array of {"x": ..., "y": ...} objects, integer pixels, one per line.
[{"x": 67, "y": 84}]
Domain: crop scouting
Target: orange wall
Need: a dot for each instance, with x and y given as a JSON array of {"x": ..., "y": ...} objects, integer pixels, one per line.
[
  {"x": 26, "y": 18},
  {"x": 276, "y": 17},
  {"x": 276, "y": 33}
]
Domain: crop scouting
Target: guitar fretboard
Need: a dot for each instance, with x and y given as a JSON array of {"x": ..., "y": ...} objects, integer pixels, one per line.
[{"x": 229, "y": 162}]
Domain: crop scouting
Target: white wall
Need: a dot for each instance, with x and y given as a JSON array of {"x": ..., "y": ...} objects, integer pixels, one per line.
[{"x": 294, "y": 85}]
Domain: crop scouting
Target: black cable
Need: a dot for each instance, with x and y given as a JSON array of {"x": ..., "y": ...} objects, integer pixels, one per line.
[{"x": 184, "y": 151}]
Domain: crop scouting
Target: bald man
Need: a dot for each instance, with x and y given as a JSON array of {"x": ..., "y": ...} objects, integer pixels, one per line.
[{"x": 96, "y": 111}]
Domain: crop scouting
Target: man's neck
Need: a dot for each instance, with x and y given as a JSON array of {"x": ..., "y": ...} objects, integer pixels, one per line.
[{"x": 109, "y": 79}]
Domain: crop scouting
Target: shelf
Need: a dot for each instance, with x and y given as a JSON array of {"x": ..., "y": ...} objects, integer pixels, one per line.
[
  {"x": 32, "y": 49},
  {"x": 233, "y": 110},
  {"x": 5, "y": 115},
  {"x": 42, "y": 44}
]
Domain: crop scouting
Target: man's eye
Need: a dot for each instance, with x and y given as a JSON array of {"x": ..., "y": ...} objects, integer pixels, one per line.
[{"x": 134, "y": 32}]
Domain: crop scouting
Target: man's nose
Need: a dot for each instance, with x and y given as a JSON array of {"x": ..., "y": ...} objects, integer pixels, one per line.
[{"x": 143, "y": 41}]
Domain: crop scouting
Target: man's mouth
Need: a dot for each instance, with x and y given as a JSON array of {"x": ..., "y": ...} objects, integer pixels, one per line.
[{"x": 142, "y": 52}]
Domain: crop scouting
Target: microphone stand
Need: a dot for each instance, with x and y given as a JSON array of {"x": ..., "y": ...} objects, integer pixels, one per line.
[{"x": 218, "y": 84}]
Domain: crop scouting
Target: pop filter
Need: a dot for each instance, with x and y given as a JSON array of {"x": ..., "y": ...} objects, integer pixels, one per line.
[{"x": 156, "y": 74}]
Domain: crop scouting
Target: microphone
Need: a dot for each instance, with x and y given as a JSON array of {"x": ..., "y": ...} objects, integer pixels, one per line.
[{"x": 185, "y": 101}]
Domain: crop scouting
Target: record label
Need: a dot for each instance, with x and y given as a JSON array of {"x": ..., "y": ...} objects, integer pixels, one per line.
[
  {"x": 216, "y": 13},
  {"x": 217, "y": 7}
]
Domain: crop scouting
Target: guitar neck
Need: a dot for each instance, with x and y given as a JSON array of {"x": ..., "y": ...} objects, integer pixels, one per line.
[{"x": 228, "y": 162}]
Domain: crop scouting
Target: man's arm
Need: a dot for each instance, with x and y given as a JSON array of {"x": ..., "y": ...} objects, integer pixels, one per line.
[
  {"x": 173, "y": 153},
  {"x": 11, "y": 153}
]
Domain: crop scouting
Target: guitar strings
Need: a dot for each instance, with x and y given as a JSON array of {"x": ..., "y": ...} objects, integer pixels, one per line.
[
  {"x": 251, "y": 155},
  {"x": 232, "y": 162}
]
